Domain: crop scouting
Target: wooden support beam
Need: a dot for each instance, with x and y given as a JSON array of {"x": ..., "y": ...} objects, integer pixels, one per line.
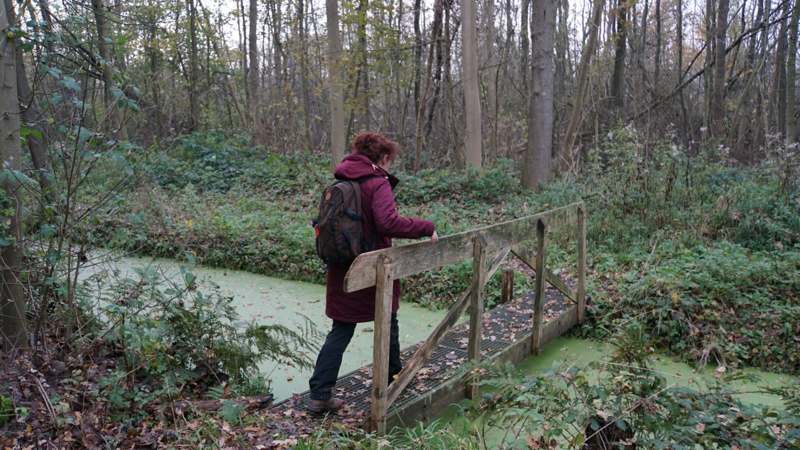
[
  {"x": 507, "y": 286},
  {"x": 538, "y": 303},
  {"x": 528, "y": 258},
  {"x": 380, "y": 348},
  {"x": 581, "y": 294},
  {"x": 476, "y": 308},
  {"x": 423, "y": 354},
  {"x": 419, "y": 257}
]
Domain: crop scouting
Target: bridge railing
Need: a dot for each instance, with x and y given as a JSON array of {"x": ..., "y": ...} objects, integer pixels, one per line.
[{"x": 487, "y": 247}]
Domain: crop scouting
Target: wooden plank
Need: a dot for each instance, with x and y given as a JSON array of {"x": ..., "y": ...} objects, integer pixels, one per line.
[
  {"x": 423, "y": 354},
  {"x": 422, "y": 256},
  {"x": 476, "y": 308},
  {"x": 507, "y": 287},
  {"x": 538, "y": 303},
  {"x": 380, "y": 346},
  {"x": 529, "y": 259},
  {"x": 581, "y": 294},
  {"x": 430, "y": 405}
]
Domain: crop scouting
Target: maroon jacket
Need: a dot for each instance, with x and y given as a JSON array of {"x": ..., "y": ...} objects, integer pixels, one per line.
[{"x": 381, "y": 223}]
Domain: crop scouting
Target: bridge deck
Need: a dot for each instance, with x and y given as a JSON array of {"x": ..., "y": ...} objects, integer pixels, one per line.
[{"x": 506, "y": 337}]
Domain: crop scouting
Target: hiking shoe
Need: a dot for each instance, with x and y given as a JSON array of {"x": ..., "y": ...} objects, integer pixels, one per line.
[{"x": 324, "y": 406}]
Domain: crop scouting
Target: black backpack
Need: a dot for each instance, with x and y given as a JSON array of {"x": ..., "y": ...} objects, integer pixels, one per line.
[{"x": 339, "y": 229}]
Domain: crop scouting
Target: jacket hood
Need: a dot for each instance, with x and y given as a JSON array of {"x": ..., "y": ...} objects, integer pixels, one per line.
[{"x": 356, "y": 166}]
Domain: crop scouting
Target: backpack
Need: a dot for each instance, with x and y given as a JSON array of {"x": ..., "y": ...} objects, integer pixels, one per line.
[{"x": 339, "y": 228}]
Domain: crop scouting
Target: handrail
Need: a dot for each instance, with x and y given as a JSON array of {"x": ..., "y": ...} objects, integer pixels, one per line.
[{"x": 419, "y": 257}]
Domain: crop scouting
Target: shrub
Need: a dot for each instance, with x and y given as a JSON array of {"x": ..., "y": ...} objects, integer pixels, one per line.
[
  {"x": 177, "y": 341},
  {"x": 722, "y": 300}
]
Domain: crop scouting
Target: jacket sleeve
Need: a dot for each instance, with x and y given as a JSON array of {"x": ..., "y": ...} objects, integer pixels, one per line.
[{"x": 389, "y": 223}]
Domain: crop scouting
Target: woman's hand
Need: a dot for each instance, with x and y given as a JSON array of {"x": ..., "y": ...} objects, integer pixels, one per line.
[{"x": 435, "y": 237}]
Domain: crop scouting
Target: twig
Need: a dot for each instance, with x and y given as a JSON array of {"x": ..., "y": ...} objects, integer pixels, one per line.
[{"x": 45, "y": 398}]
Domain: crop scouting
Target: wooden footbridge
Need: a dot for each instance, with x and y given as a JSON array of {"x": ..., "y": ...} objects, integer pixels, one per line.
[{"x": 433, "y": 375}]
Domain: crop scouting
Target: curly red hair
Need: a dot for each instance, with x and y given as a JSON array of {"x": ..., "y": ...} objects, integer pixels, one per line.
[{"x": 374, "y": 146}]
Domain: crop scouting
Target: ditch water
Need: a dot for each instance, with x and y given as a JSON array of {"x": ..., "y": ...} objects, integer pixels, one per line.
[
  {"x": 271, "y": 300},
  {"x": 275, "y": 301}
]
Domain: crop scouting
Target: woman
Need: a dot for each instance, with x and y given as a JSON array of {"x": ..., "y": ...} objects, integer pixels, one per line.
[{"x": 369, "y": 162}]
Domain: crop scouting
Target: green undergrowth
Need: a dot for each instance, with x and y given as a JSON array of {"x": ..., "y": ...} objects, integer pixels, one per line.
[
  {"x": 619, "y": 403},
  {"x": 702, "y": 252}
]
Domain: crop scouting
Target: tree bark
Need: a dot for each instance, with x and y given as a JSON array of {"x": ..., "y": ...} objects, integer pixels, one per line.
[
  {"x": 583, "y": 78},
  {"x": 472, "y": 101},
  {"x": 779, "y": 84},
  {"x": 100, "y": 11},
  {"x": 490, "y": 70},
  {"x": 657, "y": 66},
  {"x": 562, "y": 48},
  {"x": 618, "y": 76},
  {"x": 417, "y": 58},
  {"x": 679, "y": 66},
  {"x": 301, "y": 31},
  {"x": 13, "y": 330},
  {"x": 538, "y": 159},
  {"x": 194, "y": 113},
  {"x": 335, "y": 81},
  {"x": 31, "y": 115},
  {"x": 363, "y": 66},
  {"x": 718, "y": 97},
  {"x": 524, "y": 44},
  {"x": 791, "y": 72},
  {"x": 252, "y": 74}
]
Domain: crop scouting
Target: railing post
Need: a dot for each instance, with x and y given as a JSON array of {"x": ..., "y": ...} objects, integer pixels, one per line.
[
  {"x": 581, "y": 228},
  {"x": 538, "y": 303},
  {"x": 507, "y": 289},
  {"x": 476, "y": 308},
  {"x": 380, "y": 347}
]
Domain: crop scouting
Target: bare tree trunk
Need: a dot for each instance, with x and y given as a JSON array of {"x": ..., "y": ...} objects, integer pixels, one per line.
[
  {"x": 490, "y": 62},
  {"x": 679, "y": 66},
  {"x": 779, "y": 84},
  {"x": 363, "y": 66},
  {"x": 417, "y": 57},
  {"x": 708, "y": 78},
  {"x": 194, "y": 113},
  {"x": 791, "y": 72},
  {"x": 252, "y": 74},
  {"x": 241, "y": 27},
  {"x": 37, "y": 145},
  {"x": 301, "y": 28},
  {"x": 278, "y": 63},
  {"x": 747, "y": 134},
  {"x": 335, "y": 81},
  {"x": 401, "y": 98},
  {"x": 103, "y": 38},
  {"x": 538, "y": 159},
  {"x": 432, "y": 79},
  {"x": 469, "y": 76},
  {"x": 618, "y": 77},
  {"x": 524, "y": 43},
  {"x": 718, "y": 97},
  {"x": 657, "y": 66},
  {"x": 13, "y": 330},
  {"x": 642, "y": 50},
  {"x": 562, "y": 49},
  {"x": 583, "y": 78}
]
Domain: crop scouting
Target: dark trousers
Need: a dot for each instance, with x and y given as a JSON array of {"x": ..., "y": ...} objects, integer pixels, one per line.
[{"x": 329, "y": 360}]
